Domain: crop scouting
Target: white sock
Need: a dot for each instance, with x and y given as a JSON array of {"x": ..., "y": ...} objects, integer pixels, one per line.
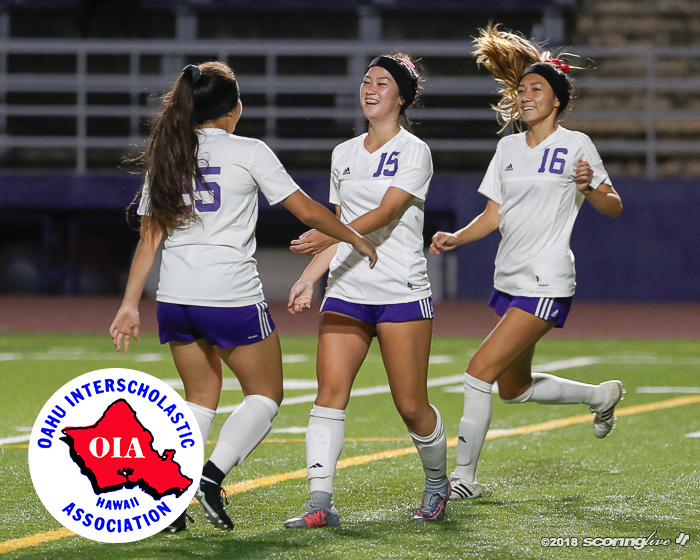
[
  {"x": 433, "y": 450},
  {"x": 324, "y": 442},
  {"x": 473, "y": 426},
  {"x": 550, "y": 389},
  {"x": 204, "y": 416},
  {"x": 243, "y": 431}
]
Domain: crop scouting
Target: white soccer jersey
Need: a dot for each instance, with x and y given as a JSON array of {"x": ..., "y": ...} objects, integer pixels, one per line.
[
  {"x": 536, "y": 189},
  {"x": 359, "y": 181},
  {"x": 211, "y": 263}
]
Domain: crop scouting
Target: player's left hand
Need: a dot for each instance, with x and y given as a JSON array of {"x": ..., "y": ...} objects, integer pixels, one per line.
[
  {"x": 312, "y": 243},
  {"x": 125, "y": 325},
  {"x": 584, "y": 176}
]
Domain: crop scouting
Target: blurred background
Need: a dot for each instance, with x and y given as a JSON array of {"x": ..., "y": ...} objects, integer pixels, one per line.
[{"x": 79, "y": 80}]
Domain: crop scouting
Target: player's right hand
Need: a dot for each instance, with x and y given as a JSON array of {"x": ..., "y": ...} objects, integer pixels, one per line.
[
  {"x": 443, "y": 241},
  {"x": 365, "y": 248},
  {"x": 125, "y": 325},
  {"x": 300, "y": 296}
]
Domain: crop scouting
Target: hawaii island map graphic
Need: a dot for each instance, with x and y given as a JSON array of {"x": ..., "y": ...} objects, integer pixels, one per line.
[{"x": 117, "y": 452}]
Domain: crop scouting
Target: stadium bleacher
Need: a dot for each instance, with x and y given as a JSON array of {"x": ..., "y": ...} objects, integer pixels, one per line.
[{"x": 79, "y": 80}]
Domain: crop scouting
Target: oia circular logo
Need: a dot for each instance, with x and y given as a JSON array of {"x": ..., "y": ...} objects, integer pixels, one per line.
[{"x": 116, "y": 455}]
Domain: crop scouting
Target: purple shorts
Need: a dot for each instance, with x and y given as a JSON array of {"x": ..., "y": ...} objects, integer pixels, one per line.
[
  {"x": 555, "y": 310},
  {"x": 220, "y": 326},
  {"x": 373, "y": 314}
]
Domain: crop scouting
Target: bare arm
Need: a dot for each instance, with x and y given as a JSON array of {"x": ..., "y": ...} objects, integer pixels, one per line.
[
  {"x": 127, "y": 321},
  {"x": 393, "y": 203},
  {"x": 604, "y": 199},
  {"x": 478, "y": 228},
  {"x": 317, "y": 216},
  {"x": 303, "y": 290}
]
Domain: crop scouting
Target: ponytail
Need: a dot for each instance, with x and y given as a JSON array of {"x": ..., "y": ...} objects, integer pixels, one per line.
[
  {"x": 170, "y": 164},
  {"x": 506, "y": 56}
]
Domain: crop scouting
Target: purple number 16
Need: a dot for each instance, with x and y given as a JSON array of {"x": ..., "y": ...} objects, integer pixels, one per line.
[{"x": 557, "y": 164}]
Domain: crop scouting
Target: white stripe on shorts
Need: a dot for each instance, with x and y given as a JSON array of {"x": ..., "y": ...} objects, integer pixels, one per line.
[
  {"x": 267, "y": 319},
  {"x": 425, "y": 308},
  {"x": 539, "y": 304},
  {"x": 545, "y": 314},
  {"x": 262, "y": 319}
]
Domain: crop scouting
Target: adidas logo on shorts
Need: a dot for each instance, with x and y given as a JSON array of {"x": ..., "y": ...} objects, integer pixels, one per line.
[
  {"x": 510, "y": 167},
  {"x": 347, "y": 171}
]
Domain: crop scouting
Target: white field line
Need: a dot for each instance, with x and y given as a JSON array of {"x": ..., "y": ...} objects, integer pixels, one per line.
[
  {"x": 57, "y": 353},
  {"x": 662, "y": 390},
  {"x": 82, "y": 355},
  {"x": 232, "y": 384},
  {"x": 290, "y": 430},
  {"x": 547, "y": 367},
  {"x": 435, "y": 382},
  {"x": 693, "y": 435},
  {"x": 15, "y": 439},
  {"x": 441, "y": 359}
]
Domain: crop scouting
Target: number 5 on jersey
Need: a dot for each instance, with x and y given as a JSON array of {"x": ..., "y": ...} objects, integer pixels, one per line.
[{"x": 208, "y": 187}]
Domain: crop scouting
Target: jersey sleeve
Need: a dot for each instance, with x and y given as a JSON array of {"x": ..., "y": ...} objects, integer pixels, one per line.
[
  {"x": 270, "y": 175},
  {"x": 334, "y": 196},
  {"x": 415, "y": 169},
  {"x": 590, "y": 154},
  {"x": 491, "y": 184},
  {"x": 144, "y": 208}
]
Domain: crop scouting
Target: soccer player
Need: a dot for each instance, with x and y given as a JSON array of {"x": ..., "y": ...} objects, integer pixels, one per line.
[
  {"x": 379, "y": 181},
  {"x": 200, "y": 195},
  {"x": 536, "y": 184}
]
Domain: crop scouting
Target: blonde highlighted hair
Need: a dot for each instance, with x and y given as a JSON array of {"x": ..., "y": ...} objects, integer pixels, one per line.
[{"x": 506, "y": 55}]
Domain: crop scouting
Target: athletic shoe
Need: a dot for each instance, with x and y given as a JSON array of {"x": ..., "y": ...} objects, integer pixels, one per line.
[
  {"x": 464, "y": 490},
  {"x": 315, "y": 516},
  {"x": 212, "y": 497},
  {"x": 180, "y": 524},
  {"x": 604, "y": 420},
  {"x": 434, "y": 503}
]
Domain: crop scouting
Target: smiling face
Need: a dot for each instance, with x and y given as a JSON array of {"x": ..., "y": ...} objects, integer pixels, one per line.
[
  {"x": 379, "y": 95},
  {"x": 536, "y": 101}
]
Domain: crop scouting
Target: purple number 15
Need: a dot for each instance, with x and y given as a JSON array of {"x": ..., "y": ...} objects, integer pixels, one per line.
[
  {"x": 392, "y": 160},
  {"x": 208, "y": 186},
  {"x": 557, "y": 164}
]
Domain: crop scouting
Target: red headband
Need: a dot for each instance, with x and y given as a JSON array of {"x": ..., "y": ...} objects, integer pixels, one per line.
[{"x": 563, "y": 67}]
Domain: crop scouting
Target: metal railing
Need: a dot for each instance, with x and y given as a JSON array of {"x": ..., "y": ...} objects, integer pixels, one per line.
[{"x": 172, "y": 54}]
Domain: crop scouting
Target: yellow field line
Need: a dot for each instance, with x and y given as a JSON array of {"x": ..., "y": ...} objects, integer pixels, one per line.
[
  {"x": 266, "y": 440},
  {"x": 31, "y": 540},
  {"x": 347, "y": 439},
  {"x": 240, "y": 487}
]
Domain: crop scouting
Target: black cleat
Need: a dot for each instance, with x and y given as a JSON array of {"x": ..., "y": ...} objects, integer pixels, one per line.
[{"x": 212, "y": 497}]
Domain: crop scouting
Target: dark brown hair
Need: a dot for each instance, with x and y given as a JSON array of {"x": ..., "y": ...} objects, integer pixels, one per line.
[{"x": 170, "y": 164}]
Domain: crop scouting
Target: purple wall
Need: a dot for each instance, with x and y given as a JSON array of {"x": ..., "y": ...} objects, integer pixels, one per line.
[{"x": 651, "y": 252}]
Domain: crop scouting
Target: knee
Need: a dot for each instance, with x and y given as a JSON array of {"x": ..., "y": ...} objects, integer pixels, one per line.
[
  {"x": 331, "y": 395},
  {"x": 273, "y": 393},
  {"x": 506, "y": 396},
  {"x": 412, "y": 411},
  {"x": 278, "y": 396},
  {"x": 481, "y": 368},
  {"x": 514, "y": 393}
]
